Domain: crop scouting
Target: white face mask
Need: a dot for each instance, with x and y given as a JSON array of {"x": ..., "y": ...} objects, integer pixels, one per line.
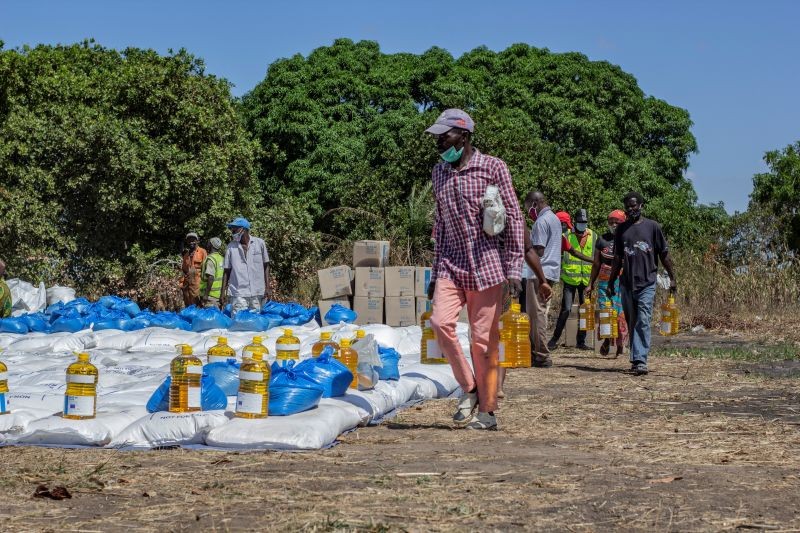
[{"x": 237, "y": 237}]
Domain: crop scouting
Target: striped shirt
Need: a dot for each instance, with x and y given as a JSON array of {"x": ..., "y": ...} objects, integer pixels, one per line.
[{"x": 463, "y": 252}]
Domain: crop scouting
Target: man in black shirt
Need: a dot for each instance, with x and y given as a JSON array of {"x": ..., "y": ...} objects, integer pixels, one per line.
[{"x": 638, "y": 245}]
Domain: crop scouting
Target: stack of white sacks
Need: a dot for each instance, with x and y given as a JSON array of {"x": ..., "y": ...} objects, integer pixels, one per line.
[{"x": 133, "y": 364}]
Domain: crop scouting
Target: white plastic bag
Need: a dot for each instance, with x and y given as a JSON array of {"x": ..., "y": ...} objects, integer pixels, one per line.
[
  {"x": 494, "y": 212},
  {"x": 25, "y": 298},
  {"x": 61, "y": 294}
]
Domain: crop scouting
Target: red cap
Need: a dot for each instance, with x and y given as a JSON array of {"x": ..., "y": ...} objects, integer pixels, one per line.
[
  {"x": 564, "y": 217},
  {"x": 618, "y": 215}
]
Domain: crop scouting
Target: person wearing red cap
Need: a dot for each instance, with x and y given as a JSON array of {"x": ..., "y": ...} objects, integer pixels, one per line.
[
  {"x": 575, "y": 270},
  {"x": 601, "y": 270}
]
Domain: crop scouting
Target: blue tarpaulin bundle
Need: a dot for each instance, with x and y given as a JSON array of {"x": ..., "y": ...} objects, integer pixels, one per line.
[
  {"x": 291, "y": 392},
  {"x": 327, "y": 372}
]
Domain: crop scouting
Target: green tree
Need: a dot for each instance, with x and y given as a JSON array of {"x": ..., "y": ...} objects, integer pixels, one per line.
[
  {"x": 107, "y": 156},
  {"x": 777, "y": 193},
  {"x": 344, "y": 126}
]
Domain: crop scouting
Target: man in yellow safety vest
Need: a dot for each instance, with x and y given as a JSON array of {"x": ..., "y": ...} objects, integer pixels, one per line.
[
  {"x": 576, "y": 270},
  {"x": 211, "y": 280}
]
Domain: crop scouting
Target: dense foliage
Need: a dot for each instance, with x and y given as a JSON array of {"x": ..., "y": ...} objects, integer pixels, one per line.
[
  {"x": 343, "y": 127},
  {"x": 107, "y": 156},
  {"x": 776, "y": 194}
]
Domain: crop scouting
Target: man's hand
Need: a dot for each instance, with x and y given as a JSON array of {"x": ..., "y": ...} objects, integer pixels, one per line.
[
  {"x": 268, "y": 294},
  {"x": 514, "y": 287},
  {"x": 545, "y": 291},
  {"x": 588, "y": 290},
  {"x": 673, "y": 287},
  {"x": 610, "y": 290},
  {"x": 203, "y": 300},
  {"x": 431, "y": 290}
]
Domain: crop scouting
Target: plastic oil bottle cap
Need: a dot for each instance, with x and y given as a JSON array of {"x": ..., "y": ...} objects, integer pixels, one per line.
[
  {"x": 83, "y": 357},
  {"x": 516, "y": 308},
  {"x": 608, "y": 303},
  {"x": 186, "y": 349},
  {"x": 344, "y": 343},
  {"x": 325, "y": 335},
  {"x": 360, "y": 334},
  {"x": 257, "y": 340},
  {"x": 287, "y": 332}
]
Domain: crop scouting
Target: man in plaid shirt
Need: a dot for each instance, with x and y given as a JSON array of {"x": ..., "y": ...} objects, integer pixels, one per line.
[{"x": 471, "y": 267}]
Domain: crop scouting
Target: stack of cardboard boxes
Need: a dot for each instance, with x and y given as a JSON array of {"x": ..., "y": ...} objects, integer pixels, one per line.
[{"x": 396, "y": 296}]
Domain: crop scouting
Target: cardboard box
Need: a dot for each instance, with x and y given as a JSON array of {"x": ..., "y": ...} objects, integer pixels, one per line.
[
  {"x": 423, "y": 304},
  {"x": 370, "y": 253},
  {"x": 400, "y": 281},
  {"x": 325, "y": 306},
  {"x": 370, "y": 282},
  {"x": 422, "y": 278},
  {"x": 369, "y": 310},
  {"x": 400, "y": 310},
  {"x": 334, "y": 282}
]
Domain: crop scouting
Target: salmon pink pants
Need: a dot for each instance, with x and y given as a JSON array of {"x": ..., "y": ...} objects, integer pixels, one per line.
[{"x": 483, "y": 309}]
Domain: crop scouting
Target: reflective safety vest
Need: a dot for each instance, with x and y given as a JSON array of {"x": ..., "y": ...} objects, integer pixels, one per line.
[
  {"x": 216, "y": 287},
  {"x": 574, "y": 271}
]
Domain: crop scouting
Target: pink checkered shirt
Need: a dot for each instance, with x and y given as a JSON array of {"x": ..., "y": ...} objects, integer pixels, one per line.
[{"x": 464, "y": 253}]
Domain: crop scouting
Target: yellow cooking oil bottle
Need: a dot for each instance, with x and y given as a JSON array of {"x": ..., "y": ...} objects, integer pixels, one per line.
[
  {"x": 606, "y": 320},
  {"x": 221, "y": 352},
  {"x": 349, "y": 358},
  {"x": 253, "y": 398},
  {"x": 186, "y": 371},
  {"x": 360, "y": 334},
  {"x": 429, "y": 353},
  {"x": 669, "y": 317},
  {"x": 255, "y": 347},
  {"x": 586, "y": 315},
  {"x": 614, "y": 324},
  {"x": 3, "y": 389},
  {"x": 287, "y": 347},
  {"x": 515, "y": 340},
  {"x": 325, "y": 339},
  {"x": 80, "y": 399}
]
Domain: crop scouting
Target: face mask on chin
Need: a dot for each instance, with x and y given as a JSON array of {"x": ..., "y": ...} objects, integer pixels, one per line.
[
  {"x": 237, "y": 237},
  {"x": 451, "y": 155},
  {"x": 634, "y": 214},
  {"x": 580, "y": 228}
]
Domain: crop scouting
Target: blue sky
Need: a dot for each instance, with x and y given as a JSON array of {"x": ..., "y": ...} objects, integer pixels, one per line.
[{"x": 732, "y": 64}]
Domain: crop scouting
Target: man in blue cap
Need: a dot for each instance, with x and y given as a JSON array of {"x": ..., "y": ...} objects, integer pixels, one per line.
[{"x": 245, "y": 275}]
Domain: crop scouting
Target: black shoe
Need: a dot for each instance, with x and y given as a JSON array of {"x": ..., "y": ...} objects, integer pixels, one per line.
[
  {"x": 583, "y": 347},
  {"x": 639, "y": 369},
  {"x": 543, "y": 363},
  {"x": 552, "y": 344}
]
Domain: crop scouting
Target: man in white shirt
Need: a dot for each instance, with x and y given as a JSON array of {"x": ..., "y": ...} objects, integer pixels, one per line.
[{"x": 246, "y": 269}]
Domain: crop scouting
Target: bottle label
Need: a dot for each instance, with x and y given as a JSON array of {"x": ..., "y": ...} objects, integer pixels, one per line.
[
  {"x": 666, "y": 327},
  {"x": 284, "y": 355},
  {"x": 249, "y": 402},
  {"x": 287, "y": 347},
  {"x": 581, "y": 311},
  {"x": 251, "y": 376},
  {"x": 194, "y": 369},
  {"x": 193, "y": 397},
  {"x": 80, "y": 378},
  {"x": 500, "y": 325},
  {"x": 433, "y": 349},
  {"x": 604, "y": 314},
  {"x": 581, "y": 323},
  {"x": 3, "y": 376},
  {"x": 79, "y": 405},
  {"x": 605, "y": 330},
  {"x": 221, "y": 358},
  {"x": 428, "y": 324},
  {"x": 3, "y": 404},
  {"x": 502, "y": 351}
]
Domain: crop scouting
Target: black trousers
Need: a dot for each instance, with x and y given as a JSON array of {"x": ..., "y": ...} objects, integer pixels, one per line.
[{"x": 567, "y": 298}]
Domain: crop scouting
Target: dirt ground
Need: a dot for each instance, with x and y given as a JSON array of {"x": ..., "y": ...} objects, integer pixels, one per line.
[{"x": 700, "y": 444}]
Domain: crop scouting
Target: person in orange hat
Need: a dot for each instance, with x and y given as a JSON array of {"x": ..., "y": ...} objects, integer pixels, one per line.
[{"x": 601, "y": 270}]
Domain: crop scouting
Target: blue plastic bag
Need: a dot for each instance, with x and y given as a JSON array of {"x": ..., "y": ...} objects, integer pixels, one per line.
[
  {"x": 211, "y": 318},
  {"x": 36, "y": 322},
  {"x": 167, "y": 320},
  {"x": 246, "y": 320},
  {"x": 188, "y": 313},
  {"x": 390, "y": 359},
  {"x": 272, "y": 321},
  {"x": 211, "y": 396},
  {"x": 227, "y": 310},
  {"x": 327, "y": 372},
  {"x": 225, "y": 374},
  {"x": 291, "y": 392},
  {"x": 339, "y": 313},
  {"x": 69, "y": 325},
  {"x": 13, "y": 325}
]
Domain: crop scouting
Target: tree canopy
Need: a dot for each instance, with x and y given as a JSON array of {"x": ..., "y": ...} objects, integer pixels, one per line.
[
  {"x": 107, "y": 155},
  {"x": 344, "y": 126},
  {"x": 777, "y": 193}
]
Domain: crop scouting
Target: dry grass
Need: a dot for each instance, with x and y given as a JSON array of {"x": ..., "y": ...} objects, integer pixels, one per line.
[{"x": 699, "y": 444}]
